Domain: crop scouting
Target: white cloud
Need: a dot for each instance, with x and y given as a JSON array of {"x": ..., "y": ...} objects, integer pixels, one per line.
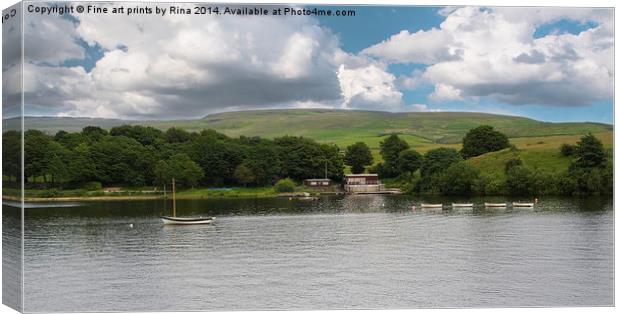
[
  {"x": 49, "y": 39},
  {"x": 369, "y": 87},
  {"x": 493, "y": 53},
  {"x": 189, "y": 66},
  {"x": 421, "y": 47}
]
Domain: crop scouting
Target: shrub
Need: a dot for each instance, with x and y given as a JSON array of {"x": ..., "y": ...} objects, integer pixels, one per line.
[
  {"x": 92, "y": 186},
  {"x": 285, "y": 186},
  {"x": 512, "y": 162},
  {"x": 567, "y": 150},
  {"x": 521, "y": 180},
  {"x": 50, "y": 193}
]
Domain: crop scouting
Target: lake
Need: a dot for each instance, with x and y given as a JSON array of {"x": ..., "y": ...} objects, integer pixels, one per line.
[{"x": 346, "y": 252}]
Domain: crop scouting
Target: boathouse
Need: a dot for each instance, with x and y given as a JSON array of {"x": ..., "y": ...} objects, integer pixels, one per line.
[
  {"x": 362, "y": 183},
  {"x": 318, "y": 182}
]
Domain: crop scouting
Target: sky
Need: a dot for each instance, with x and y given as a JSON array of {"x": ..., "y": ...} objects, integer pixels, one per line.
[{"x": 550, "y": 64}]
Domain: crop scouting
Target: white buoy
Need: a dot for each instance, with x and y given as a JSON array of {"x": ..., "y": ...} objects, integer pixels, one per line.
[{"x": 130, "y": 225}]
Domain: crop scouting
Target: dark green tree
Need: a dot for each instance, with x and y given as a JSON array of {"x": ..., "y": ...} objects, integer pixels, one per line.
[
  {"x": 521, "y": 180},
  {"x": 304, "y": 158},
  {"x": 358, "y": 156},
  {"x": 263, "y": 160},
  {"x": 243, "y": 175},
  {"x": 458, "y": 179},
  {"x": 409, "y": 161},
  {"x": 93, "y": 133},
  {"x": 180, "y": 167},
  {"x": 145, "y": 135},
  {"x": 481, "y": 140},
  {"x": 176, "y": 135},
  {"x": 438, "y": 159},
  {"x": 36, "y": 154},
  {"x": 590, "y": 153},
  {"x": 391, "y": 147},
  {"x": 567, "y": 150},
  {"x": 11, "y": 155}
]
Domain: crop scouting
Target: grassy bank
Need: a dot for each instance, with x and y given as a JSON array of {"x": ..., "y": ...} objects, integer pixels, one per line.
[{"x": 135, "y": 194}]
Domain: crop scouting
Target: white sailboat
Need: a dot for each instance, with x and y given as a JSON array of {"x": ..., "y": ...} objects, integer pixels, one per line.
[{"x": 174, "y": 220}]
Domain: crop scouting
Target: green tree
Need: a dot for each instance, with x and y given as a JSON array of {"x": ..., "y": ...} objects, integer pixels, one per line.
[
  {"x": 121, "y": 160},
  {"x": 180, "y": 167},
  {"x": 145, "y": 135},
  {"x": 438, "y": 159},
  {"x": 590, "y": 153},
  {"x": 36, "y": 154},
  {"x": 409, "y": 161},
  {"x": 458, "y": 179},
  {"x": 304, "y": 158},
  {"x": 177, "y": 135},
  {"x": 521, "y": 180},
  {"x": 94, "y": 133},
  {"x": 391, "y": 147},
  {"x": 57, "y": 166},
  {"x": 217, "y": 155},
  {"x": 244, "y": 175},
  {"x": 11, "y": 155},
  {"x": 481, "y": 140},
  {"x": 358, "y": 156}
]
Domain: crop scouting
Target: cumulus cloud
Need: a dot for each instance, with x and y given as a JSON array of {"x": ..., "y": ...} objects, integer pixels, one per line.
[
  {"x": 189, "y": 66},
  {"x": 478, "y": 52},
  {"x": 369, "y": 87}
]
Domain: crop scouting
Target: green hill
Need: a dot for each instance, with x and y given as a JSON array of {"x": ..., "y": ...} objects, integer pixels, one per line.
[{"x": 342, "y": 127}]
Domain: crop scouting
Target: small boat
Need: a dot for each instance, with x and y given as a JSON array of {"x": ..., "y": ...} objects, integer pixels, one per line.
[
  {"x": 174, "y": 220},
  {"x": 522, "y": 204},
  {"x": 462, "y": 205},
  {"x": 494, "y": 204},
  {"x": 431, "y": 205},
  {"x": 186, "y": 221}
]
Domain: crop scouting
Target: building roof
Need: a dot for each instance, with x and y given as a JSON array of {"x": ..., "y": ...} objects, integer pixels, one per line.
[
  {"x": 318, "y": 179},
  {"x": 362, "y": 175}
]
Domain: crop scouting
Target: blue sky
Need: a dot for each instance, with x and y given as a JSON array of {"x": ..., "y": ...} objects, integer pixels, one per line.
[{"x": 549, "y": 64}]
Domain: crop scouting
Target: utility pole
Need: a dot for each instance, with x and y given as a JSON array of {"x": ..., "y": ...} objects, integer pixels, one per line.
[{"x": 325, "y": 168}]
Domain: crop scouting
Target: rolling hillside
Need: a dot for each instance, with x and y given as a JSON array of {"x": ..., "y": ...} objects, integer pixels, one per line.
[{"x": 339, "y": 126}]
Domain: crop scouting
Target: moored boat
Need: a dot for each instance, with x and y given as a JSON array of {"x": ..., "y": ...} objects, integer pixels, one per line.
[
  {"x": 423, "y": 205},
  {"x": 462, "y": 205},
  {"x": 174, "y": 220},
  {"x": 186, "y": 221},
  {"x": 494, "y": 204},
  {"x": 516, "y": 204}
]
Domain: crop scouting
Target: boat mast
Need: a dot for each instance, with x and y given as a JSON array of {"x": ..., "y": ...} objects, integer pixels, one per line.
[{"x": 174, "y": 200}]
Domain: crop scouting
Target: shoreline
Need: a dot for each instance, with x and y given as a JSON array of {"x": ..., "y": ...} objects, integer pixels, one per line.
[{"x": 123, "y": 198}]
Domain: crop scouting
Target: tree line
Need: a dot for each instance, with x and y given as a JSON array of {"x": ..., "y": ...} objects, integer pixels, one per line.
[{"x": 139, "y": 156}]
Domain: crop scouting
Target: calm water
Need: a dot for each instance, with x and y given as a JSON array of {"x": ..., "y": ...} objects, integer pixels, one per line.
[{"x": 354, "y": 252}]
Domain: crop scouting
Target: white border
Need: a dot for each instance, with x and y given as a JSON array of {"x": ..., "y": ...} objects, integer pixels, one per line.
[{"x": 565, "y": 3}]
